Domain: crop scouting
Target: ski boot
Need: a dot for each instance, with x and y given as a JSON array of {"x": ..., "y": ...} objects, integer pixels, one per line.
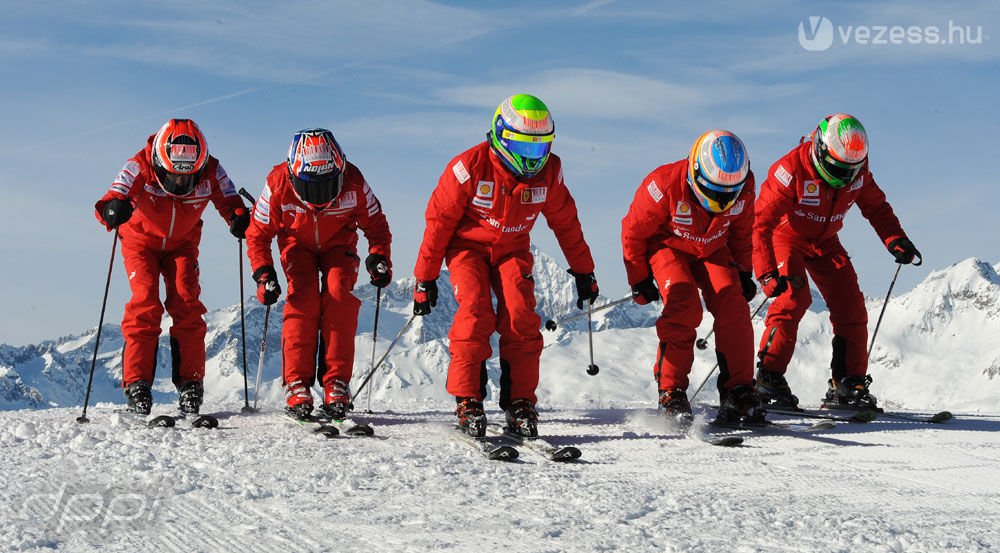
[
  {"x": 471, "y": 417},
  {"x": 851, "y": 393},
  {"x": 140, "y": 397},
  {"x": 337, "y": 400},
  {"x": 298, "y": 400},
  {"x": 774, "y": 391},
  {"x": 741, "y": 405},
  {"x": 189, "y": 397},
  {"x": 522, "y": 418},
  {"x": 674, "y": 405}
]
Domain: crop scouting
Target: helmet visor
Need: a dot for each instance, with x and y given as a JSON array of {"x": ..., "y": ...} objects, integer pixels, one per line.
[
  {"x": 723, "y": 196},
  {"x": 529, "y": 146},
  {"x": 177, "y": 184},
  {"x": 317, "y": 191},
  {"x": 840, "y": 173}
]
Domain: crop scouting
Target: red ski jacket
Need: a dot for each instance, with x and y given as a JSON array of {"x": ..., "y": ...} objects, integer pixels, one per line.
[
  {"x": 161, "y": 221},
  {"x": 479, "y": 205},
  {"x": 666, "y": 213},
  {"x": 796, "y": 204},
  {"x": 279, "y": 212}
]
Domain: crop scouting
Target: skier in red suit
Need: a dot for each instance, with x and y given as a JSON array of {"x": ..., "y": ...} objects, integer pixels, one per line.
[
  {"x": 156, "y": 203},
  {"x": 688, "y": 229},
  {"x": 478, "y": 221},
  {"x": 314, "y": 203},
  {"x": 800, "y": 210}
]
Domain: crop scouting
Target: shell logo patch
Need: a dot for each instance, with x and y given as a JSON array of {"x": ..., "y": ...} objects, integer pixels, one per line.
[
  {"x": 682, "y": 214},
  {"x": 810, "y": 193}
]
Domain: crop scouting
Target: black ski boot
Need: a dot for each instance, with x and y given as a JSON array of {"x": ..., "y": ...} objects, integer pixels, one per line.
[
  {"x": 189, "y": 397},
  {"x": 674, "y": 405},
  {"x": 522, "y": 418},
  {"x": 741, "y": 405},
  {"x": 774, "y": 391},
  {"x": 140, "y": 397},
  {"x": 851, "y": 393},
  {"x": 471, "y": 416}
]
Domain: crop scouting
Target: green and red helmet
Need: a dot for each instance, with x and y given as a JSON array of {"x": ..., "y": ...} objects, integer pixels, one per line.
[
  {"x": 521, "y": 134},
  {"x": 840, "y": 149}
]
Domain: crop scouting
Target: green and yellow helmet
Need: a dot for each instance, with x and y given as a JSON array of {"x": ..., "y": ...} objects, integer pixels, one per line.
[
  {"x": 840, "y": 149},
  {"x": 521, "y": 134}
]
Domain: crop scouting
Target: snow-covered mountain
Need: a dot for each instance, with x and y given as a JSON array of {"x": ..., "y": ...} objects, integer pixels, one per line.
[{"x": 935, "y": 349}]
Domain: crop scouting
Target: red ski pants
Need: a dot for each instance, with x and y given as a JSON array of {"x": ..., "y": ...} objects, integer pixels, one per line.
[
  {"x": 321, "y": 314},
  {"x": 143, "y": 313},
  {"x": 830, "y": 268},
  {"x": 680, "y": 275},
  {"x": 473, "y": 277}
]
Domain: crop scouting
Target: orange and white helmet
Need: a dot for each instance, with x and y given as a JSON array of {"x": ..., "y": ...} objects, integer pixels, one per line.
[
  {"x": 717, "y": 169},
  {"x": 179, "y": 156}
]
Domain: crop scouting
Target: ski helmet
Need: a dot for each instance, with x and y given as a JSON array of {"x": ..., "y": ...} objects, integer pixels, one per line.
[
  {"x": 840, "y": 149},
  {"x": 522, "y": 134},
  {"x": 179, "y": 156},
  {"x": 717, "y": 169},
  {"x": 316, "y": 167}
]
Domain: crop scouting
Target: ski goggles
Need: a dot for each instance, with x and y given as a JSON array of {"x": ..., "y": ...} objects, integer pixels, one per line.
[
  {"x": 841, "y": 173},
  {"x": 721, "y": 195}
]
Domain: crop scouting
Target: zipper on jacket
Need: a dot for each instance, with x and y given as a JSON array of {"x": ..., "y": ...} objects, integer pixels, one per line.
[
  {"x": 503, "y": 215},
  {"x": 316, "y": 221},
  {"x": 173, "y": 216}
]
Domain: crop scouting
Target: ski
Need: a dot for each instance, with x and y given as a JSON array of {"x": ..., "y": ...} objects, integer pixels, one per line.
[
  {"x": 135, "y": 419},
  {"x": 200, "y": 421},
  {"x": 720, "y": 441},
  {"x": 316, "y": 425},
  {"x": 857, "y": 417},
  {"x": 551, "y": 452},
  {"x": 937, "y": 418},
  {"x": 485, "y": 447},
  {"x": 347, "y": 426},
  {"x": 772, "y": 425}
]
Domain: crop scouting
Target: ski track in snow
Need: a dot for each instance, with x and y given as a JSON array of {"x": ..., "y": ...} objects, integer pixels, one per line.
[{"x": 260, "y": 483}]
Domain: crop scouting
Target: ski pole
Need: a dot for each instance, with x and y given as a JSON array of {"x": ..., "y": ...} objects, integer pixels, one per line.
[
  {"x": 710, "y": 373},
  {"x": 592, "y": 369},
  {"x": 884, "y": 304},
  {"x": 378, "y": 305},
  {"x": 260, "y": 361},
  {"x": 702, "y": 343},
  {"x": 384, "y": 356},
  {"x": 552, "y": 325},
  {"x": 97, "y": 341},
  {"x": 243, "y": 333}
]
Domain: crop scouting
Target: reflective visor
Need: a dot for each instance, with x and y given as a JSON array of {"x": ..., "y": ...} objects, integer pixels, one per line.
[
  {"x": 177, "y": 184},
  {"x": 528, "y": 146},
  {"x": 317, "y": 191},
  {"x": 845, "y": 173},
  {"x": 722, "y": 195}
]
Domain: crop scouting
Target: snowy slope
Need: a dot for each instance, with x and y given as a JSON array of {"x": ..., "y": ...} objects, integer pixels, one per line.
[
  {"x": 935, "y": 350},
  {"x": 261, "y": 484}
]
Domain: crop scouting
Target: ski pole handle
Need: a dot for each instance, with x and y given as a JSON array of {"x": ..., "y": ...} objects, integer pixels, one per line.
[
  {"x": 552, "y": 325},
  {"x": 245, "y": 194}
]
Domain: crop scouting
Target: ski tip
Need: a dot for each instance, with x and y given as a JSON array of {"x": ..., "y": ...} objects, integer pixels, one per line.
[
  {"x": 327, "y": 431},
  {"x": 205, "y": 421},
  {"x": 863, "y": 416},
  {"x": 943, "y": 416},
  {"x": 503, "y": 453},
  {"x": 360, "y": 431},
  {"x": 726, "y": 441},
  {"x": 162, "y": 421},
  {"x": 566, "y": 454}
]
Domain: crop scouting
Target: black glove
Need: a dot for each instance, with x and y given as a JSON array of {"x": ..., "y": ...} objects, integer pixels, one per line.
[
  {"x": 380, "y": 269},
  {"x": 749, "y": 286},
  {"x": 425, "y": 296},
  {"x": 238, "y": 222},
  {"x": 267, "y": 285},
  {"x": 904, "y": 251},
  {"x": 645, "y": 291},
  {"x": 586, "y": 288},
  {"x": 117, "y": 212},
  {"x": 773, "y": 284}
]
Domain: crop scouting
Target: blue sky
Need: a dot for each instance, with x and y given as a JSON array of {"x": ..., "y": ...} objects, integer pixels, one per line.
[{"x": 407, "y": 85}]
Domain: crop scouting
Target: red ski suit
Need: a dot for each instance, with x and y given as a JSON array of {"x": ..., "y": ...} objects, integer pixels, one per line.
[
  {"x": 687, "y": 248},
  {"x": 798, "y": 217},
  {"x": 162, "y": 237},
  {"x": 478, "y": 220},
  {"x": 319, "y": 256}
]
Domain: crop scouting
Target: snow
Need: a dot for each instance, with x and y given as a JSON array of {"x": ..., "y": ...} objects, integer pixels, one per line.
[{"x": 261, "y": 483}]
